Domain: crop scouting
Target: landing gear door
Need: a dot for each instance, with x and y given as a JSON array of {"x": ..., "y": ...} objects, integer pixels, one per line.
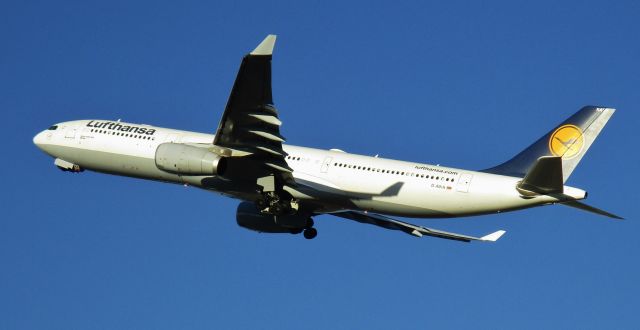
[
  {"x": 325, "y": 165},
  {"x": 464, "y": 182}
]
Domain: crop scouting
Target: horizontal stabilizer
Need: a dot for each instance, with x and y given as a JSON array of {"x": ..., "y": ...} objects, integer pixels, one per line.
[
  {"x": 545, "y": 177},
  {"x": 592, "y": 209},
  {"x": 418, "y": 231}
]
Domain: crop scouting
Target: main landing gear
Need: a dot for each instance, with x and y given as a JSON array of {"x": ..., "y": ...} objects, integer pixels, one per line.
[
  {"x": 310, "y": 232},
  {"x": 272, "y": 203},
  {"x": 284, "y": 205}
]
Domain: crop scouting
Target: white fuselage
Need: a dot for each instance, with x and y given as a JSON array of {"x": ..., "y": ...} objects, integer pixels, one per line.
[{"x": 326, "y": 180}]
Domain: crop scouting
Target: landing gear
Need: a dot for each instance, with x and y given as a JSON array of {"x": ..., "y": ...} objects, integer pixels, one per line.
[
  {"x": 272, "y": 203},
  {"x": 310, "y": 233},
  {"x": 283, "y": 208}
]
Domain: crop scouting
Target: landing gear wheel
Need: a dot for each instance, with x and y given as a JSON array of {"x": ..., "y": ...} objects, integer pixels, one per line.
[
  {"x": 310, "y": 233},
  {"x": 309, "y": 223}
]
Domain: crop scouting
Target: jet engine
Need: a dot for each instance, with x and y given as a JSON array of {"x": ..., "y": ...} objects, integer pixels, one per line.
[
  {"x": 185, "y": 159},
  {"x": 249, "y": 217}
]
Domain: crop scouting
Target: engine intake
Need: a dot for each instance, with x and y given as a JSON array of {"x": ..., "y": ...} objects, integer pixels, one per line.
[
  {"x": 249, "y": 217},
  {"x": 184, "y": 159}
]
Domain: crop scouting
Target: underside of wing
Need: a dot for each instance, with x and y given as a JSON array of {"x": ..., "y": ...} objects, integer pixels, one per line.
[
  {"x": 250, "y": 122},
  {"x": 249, "y": 131},
  {"x": 418, "y": 231}
]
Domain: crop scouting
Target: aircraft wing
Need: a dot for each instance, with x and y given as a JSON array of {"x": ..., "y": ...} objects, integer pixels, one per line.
[
  {"x": 418, "y": 231},
  {"x": 250, "y": 121}
]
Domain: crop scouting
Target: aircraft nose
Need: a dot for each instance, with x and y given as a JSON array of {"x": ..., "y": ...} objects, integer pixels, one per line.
[{"x": 39, "y": 139}]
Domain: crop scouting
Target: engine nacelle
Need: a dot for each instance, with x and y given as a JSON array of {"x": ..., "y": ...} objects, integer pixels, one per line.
[
  {"x": 249, "y": 217},
  {"x": 184, "y": 159},
  {"x": 67, "y": 166}
]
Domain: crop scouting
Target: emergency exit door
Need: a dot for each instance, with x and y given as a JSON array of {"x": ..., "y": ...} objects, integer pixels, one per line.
[
  {"x": 464, "y": 182},
  {"x": 325, "y": 165}
]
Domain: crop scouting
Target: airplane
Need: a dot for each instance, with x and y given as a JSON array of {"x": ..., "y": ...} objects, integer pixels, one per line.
[{"x": 282, "y": 187}]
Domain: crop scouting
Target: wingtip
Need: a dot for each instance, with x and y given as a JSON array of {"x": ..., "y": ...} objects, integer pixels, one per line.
[
  {"x": 493, "y": 236},
  {"x": 266, "y": 46}
]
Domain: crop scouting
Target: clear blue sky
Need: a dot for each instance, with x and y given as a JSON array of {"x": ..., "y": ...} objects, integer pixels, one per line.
[{"x": 453, "y": 83}]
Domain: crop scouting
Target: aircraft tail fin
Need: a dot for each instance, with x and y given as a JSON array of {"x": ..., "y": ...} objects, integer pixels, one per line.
[{"x": 568, "y": 141}]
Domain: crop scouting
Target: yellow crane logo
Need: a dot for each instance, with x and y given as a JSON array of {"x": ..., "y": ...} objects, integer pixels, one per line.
[{"x": 566, "y": 141}]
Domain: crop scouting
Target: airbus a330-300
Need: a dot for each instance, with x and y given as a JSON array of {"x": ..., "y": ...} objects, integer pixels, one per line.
[{"x": 283, "y": 187}]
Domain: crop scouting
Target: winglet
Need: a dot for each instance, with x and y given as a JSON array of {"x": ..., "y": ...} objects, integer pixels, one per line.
[
  {"x": 266, "y": 46},
  {"x": 493, "y": 236}
]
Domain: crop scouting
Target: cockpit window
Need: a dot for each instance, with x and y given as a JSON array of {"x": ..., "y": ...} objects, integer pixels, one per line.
[{"x": 53, "y": 128}]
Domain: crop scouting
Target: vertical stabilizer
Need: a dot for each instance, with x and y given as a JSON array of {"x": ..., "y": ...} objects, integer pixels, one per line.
[{"x": 569, "y": 141}]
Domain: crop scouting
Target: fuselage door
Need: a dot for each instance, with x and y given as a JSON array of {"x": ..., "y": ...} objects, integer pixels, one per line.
[
  {"x": 70, "y": 133},
  {"x": 464, "y": 182},
  {"x": 85, "y": 135},
  {"x": 325, "y": 164},
  {"x": 172, "y": 138}
]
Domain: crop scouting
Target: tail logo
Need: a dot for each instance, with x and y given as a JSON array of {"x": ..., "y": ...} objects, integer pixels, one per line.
[{"x": 566, "y": 141}]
